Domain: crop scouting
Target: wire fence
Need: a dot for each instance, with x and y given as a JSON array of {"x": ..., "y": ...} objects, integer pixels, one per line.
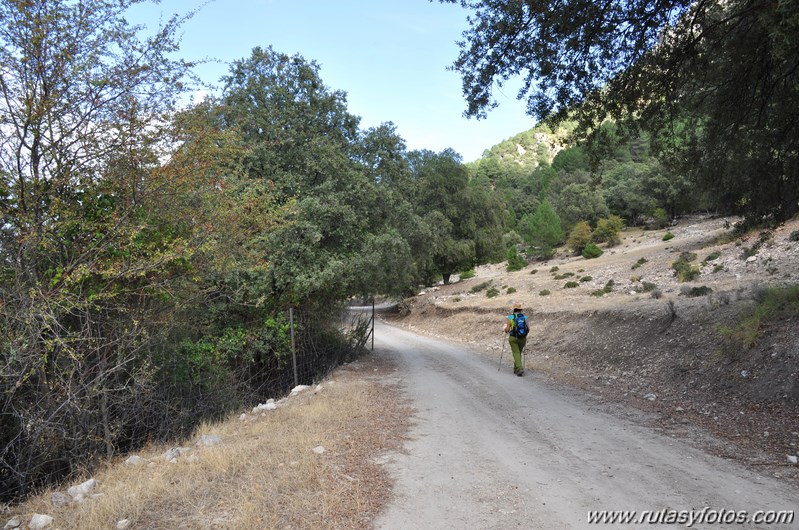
[
  {"x": 100, "y": 406},
  {"x": 320, "y": 343}
]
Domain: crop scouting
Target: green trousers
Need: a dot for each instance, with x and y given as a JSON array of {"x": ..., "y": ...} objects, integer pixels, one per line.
[{"x": 516, "y": 346}]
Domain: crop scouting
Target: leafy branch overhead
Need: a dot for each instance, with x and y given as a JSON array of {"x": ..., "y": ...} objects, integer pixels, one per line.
[{"x": 715, "y": 83}]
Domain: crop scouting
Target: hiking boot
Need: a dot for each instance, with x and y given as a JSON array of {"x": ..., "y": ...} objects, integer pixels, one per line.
[{"x": 520, "y": 373}]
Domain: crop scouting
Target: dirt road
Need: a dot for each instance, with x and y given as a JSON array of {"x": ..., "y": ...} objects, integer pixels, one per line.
[{"x": 491, "y": 450}]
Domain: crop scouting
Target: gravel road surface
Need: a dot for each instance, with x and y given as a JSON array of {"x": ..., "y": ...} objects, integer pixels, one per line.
[{"x": 492, "y": 450}]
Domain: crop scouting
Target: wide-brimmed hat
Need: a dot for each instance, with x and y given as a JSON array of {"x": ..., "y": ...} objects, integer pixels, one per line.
[{"x": 516, "y": 307}]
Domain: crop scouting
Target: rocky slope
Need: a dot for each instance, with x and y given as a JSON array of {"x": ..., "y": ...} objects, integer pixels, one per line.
[{"x": 660, "y": 350}]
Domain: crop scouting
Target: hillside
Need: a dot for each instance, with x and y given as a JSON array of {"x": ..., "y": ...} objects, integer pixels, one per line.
[{"x": 661, "y": 351}]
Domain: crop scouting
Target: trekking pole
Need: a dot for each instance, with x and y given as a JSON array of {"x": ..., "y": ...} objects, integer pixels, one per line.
[{"x": 502, "y": 352}]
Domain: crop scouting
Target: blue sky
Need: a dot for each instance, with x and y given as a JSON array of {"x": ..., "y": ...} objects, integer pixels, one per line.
[{"x": 389, "y": 56}]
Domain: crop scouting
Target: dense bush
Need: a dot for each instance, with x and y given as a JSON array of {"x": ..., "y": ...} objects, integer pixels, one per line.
[
  {"x": 607, "y": 230},
  {"x": 515, "y": 261},
  {"x": 684, "y": 268},
  {"x": 579, "y": 237},
  {"x": 668, "y": 236},
  {"x": 693, "y": 292},
  {"x": 591, "y": 251}
]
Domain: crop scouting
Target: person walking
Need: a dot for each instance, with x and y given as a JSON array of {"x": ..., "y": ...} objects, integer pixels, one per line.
[{"x": 516, "y": 327}]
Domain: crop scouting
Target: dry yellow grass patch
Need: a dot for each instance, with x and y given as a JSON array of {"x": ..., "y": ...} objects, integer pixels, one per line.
[{"x": 264, "y": 474}]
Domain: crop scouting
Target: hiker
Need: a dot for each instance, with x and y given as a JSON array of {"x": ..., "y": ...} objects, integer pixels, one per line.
[{"x": 517, "y": 328}]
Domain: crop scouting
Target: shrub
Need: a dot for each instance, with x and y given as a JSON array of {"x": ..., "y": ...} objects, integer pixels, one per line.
[
  {"x": 465, "y": 275},
  {"x": 648, "y": 287},
  {"x": 492, "y": 292},
  {"x": 544, "y": 292},
  {"x": 718, "y": 267},
  {"x": 668, "y": 236},
  {"x": 591, "y": 251},
  {"x": 794, "y": 236},
  {"x": 457, "y": 299},
  {"x": 480, "y": 286},
  {"x": 635, "y": 279},
  {"x": 586, "y": 278},
  {"x": 515, "y": 261},
  {"x": 693, "y": 292},
  {"x": 554, "y": 269},
  {"x": 606, "y": 289},
  {"x": 713, "y": 256},
  {"x": 564, "y": 276},
  {"x": 579, "y": 237},
  {"x": 571, "y": 285},
  {"x": 661, "y": 217},
  {"x": 657, "y": 294},
  {"x": 607, "y": 230},
  {"x": 639, "y": 263},
  {"x": 684, "y": 269},
  {"x": 510, "y": 290},
  {"x": 533, "y": 271},
  {"x": 773, "y": 304},
  {"x": 764, "y": 238}
]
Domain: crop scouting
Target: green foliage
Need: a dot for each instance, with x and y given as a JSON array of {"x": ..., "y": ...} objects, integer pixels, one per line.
[
  {"x": 668, "y": 236},
  {"x": 694, "y": 292},
  {"x": 579, "y": 237},
  {"x": 713, "y": 256},
  {"x": 515, "y": 262},
  {"x": 570, "y": 160},
  {"x": 533, "y": 271},
  {"x": 580, "y": 201},
  {"x": 554, "y": 268},
  {"x": 660, "y": 218},
  {"x": 467, "y": 274},
  {"x": 684, "y": 268},
  {"x": 648, "y": 287},
  {"x": 480, "y": 286},
  {"x": 718, "y": 267},
  {"x": 638, "y": 263},
  {"x": 591, "y": 251},
  {"x": 510, "y": 290},
  {"x": 607, "y": 230},
  {"x": 571, "y": 285},
  {"x": 693, "y": 96},
  {"x": 543, "y": 230},
  {"x": 544, "y": 292},
  {"x": 773, "y": 304},
  {"x": 794, "y": 236},
  {"x": 586, "y": 279},
  {"x": 492, "y": 292},
  {"x": 563, "y": 276},
  {"x": 608, "y": 288}
]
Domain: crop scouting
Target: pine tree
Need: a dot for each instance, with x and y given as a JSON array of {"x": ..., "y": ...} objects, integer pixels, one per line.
[{"x": 544, "y": 228}]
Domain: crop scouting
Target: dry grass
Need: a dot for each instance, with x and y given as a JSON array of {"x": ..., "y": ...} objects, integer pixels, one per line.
[{"x": 264, "y": 474}]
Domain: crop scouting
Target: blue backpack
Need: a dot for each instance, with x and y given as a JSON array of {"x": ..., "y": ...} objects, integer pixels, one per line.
[{"x": 519, "y": 328}]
